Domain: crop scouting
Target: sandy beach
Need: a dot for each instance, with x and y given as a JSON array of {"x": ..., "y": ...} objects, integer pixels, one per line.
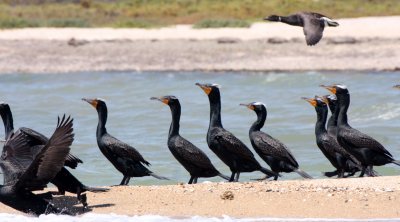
[
  {"x": 322, "y": 198},
  {"x": 370, "y": 43}
]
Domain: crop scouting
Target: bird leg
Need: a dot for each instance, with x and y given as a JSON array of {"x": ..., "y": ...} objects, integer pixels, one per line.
[
  {"x": 191, "y": 180},
  {"x": 232, "y": 179},
  {"x": 370, "y": 171},
  {"x": 195, "y": 180},
  {"x": 127, "y": 180},
  {"x": 341, "y": 173},
  {"x": 275, "y": 177},
  {"x": 237, "y": 177},
  {"x": 82, "y": 198},
  {"x": 362, "y": 171}
]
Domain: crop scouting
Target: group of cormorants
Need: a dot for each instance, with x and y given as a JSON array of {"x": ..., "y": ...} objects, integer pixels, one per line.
[{"x": 30, "y": 160}]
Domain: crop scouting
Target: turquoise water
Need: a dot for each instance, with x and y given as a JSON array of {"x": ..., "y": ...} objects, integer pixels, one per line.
[{"x": 36, "y": 100}]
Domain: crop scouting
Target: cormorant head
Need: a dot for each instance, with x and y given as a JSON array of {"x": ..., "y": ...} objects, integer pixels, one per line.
[
  {"x": 96, "y": 103},
  {"x": 337, "y": 89},
  {"x": 332, "y": 101},
  {"x": 208, "y": 88},
  {"x": 168, "y": 100},
  {"x": 273, "y": 18},
  {"x": 256, "y": 106}
]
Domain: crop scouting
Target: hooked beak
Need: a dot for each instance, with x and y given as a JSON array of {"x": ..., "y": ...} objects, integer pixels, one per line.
[
  {"x": 206, "y": 89},
  {"x": 330, "y": 88},
  {"x": 92, "y": 102},
  {"x": 247, "y": 105},
  {"x": 312, "y": 101},
  {"x": 161, "y": 99}
]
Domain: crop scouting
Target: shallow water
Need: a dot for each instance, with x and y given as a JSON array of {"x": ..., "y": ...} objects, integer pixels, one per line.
[{"x": 36, "y": 100}]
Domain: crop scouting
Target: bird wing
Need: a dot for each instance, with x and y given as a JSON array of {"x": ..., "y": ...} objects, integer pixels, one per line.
[
  {"x": 312, "y": 28},
  {"x": 49, "y": 161},
  {"x": 123, "y": 150},
  {"x": 273, "y": 147},
  {"x": 332, "y": 142},
  {"x": 35, "y": 138},
  {"x": 233, "y": 145},
  {"x": 192, "y": 154},
  {"x": 356, "y": 139}
]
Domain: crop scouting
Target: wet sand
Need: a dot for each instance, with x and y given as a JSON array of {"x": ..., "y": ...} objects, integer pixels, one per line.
[
  {"x": 321, "y": 198},
  {"x": 357, "y": 44}
]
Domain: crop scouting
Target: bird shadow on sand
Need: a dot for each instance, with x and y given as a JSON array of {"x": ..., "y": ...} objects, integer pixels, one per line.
[{"x": 73, "y": 206}]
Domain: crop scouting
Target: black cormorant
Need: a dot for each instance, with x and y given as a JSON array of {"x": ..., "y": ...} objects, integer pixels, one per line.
[
  {"x": 20, "y": 181},
  {"x": 271, "y": 150},
  {"x": 124, "y": 157},
  {"x": 337, "y": 155},
  {"x": 363, "y": 147},
  {"x": 194, "y": 160},
  {"x": 224, "y": 144},
  {"x": 64, "y": 180},
  {"x": 313, "y": 24}
]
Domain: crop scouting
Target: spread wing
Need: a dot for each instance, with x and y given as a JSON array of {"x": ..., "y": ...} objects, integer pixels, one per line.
[
  {"x": 273, "y": 147},
  {"x": 233, "y": 145},
  {"x": 49, "y": 161},
  {"x": 35, "y": 138},
  {"x": 356, "y": 140},
  {"x": 123, "y": 150},
  {"x": 191, "y": 154},
  {"x": 312, "y": 28}
]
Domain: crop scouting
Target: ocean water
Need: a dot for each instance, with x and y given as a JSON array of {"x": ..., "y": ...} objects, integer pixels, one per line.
[{"x": 37, "y": 99}]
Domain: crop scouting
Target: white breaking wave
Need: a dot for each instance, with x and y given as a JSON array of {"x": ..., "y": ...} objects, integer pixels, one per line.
[{"x": 90, "y": 217}]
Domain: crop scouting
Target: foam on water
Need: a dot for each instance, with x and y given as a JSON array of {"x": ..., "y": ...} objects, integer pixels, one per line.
[{"x": 90, "y": 217}]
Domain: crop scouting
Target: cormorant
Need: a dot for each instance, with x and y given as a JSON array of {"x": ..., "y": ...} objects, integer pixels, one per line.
[
  {"x": 224, "y": 144},
  {"x": 337, "y": 155},
  {"x": 124, "y": 157},
  {"x": 271, "y": 150},
  {"x": 64, "y": 180},
  {"x": 194, "y": 160},
  {"x": 365, "y": 148},
  {"x": 20, "y": 181},
  {"x": 313, "y": 24}
]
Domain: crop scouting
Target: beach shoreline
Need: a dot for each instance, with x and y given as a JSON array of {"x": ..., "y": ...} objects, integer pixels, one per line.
[
  {"x": 264, "y": 47},
  {"x": 351, "y": 198}
]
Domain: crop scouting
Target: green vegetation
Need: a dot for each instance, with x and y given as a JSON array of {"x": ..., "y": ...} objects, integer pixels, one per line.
[{"x": 156, "y": 13}]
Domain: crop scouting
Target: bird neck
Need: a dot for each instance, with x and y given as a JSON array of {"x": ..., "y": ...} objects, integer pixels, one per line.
[
  {"x": 344, "y": 103},
  {"x": 215, "y": 108},
  {"x": 176, "y": 115},
  {"x": 322, "y": 114},
  {"x": 259, "y": 123},
  {"x": 332, "y": 122},
  {"x": 291, "y": 20},
  {"x": 101, "y": 126},
  {"x": 7, "y": 117}
]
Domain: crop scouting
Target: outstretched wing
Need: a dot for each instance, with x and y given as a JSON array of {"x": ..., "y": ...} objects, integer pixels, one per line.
[
  {"x": 312, "y": 28},
  {"x": 49, "y": 161}
]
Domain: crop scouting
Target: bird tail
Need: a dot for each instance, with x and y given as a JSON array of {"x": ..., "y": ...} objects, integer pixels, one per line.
[
  {"x": 303, "y": 174},
  {"x": 96, "y": 189},
  {"x": 158, "y": 177},
  {"x": 224, "y": 176},
  {"x": 397, "y": 162},
  {"x": 268, "y": 172}
]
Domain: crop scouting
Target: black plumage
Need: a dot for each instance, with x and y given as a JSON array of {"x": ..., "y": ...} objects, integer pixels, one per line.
[
  {"x": 271, "y": 150},
  {"x": 313, "y": 24},
  {"x": 193, "y": 159},
  {"x": 123, "y": 157},
  {"x": 363, "y": 147},
  {"x": 64, "y": 180},
  {"x": 19, "y": 180},
  {"x": 224, "y": 144},
  {"x": 327, "y": 143}
]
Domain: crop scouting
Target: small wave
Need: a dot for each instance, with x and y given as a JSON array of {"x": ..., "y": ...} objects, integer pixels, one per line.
[{"x": 90, "y": 217}]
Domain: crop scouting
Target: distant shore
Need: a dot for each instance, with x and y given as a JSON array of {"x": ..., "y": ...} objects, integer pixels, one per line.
[
  {"x": 320, "y": 198},
  {"x": 361, "y": 44}
]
